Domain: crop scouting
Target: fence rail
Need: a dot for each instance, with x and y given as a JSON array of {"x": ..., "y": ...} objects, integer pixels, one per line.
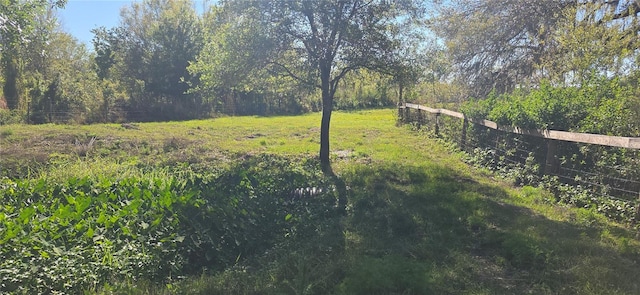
[{"x": 614, "y": 141}]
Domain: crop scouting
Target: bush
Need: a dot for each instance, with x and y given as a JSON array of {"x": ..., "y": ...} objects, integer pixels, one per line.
[
  {"x": 604, "y": 107},
  {"x": 79, "y": 234},
  {"x": 11, "y": 117}
]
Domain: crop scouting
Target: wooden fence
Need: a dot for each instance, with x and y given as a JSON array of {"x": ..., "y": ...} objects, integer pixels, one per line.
[
  {"x": 552, "y": 135},
  {"x": 552, "y": 149},
  {"x": 614, "y": 141}
]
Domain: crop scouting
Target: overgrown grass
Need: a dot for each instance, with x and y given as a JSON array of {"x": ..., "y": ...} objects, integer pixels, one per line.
[{"x": 418, "y": 220}]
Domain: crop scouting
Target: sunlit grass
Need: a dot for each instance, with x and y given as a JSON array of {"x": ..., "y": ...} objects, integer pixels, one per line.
[{"x": 364, "y": 136}]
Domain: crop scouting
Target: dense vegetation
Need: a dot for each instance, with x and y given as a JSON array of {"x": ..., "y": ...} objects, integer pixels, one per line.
[
  {"x": 168, "y": 61},
  {"x": 209, "y": 207},
  {"x": 81, "y": 232},
  {"x": 603, "y": 107}
]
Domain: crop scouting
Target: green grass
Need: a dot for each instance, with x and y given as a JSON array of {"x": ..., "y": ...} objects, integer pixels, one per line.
[
  {"x": 367, "y": 135},
  {"x": 418, "y": 220}
]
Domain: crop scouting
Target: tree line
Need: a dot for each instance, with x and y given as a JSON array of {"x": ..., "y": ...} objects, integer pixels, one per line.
[{"x": 167, "y": 61}]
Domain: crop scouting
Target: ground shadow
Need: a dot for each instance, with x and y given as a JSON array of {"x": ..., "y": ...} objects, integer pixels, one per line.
[{"x": 453, "y": 235}]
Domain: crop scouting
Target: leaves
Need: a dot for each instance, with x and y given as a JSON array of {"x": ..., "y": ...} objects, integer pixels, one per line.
[{"x": 87, "y": 231}]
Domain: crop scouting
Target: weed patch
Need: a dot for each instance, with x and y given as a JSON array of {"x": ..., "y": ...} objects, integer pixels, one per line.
[{"x": 69, "y": 236}]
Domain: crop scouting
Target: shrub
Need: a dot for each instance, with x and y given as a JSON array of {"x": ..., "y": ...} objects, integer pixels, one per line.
[
  {"x": 81, "y": 233},
  {"x": 10, "y": 117}
]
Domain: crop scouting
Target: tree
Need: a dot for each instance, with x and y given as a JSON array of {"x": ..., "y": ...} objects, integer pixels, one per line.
[
  {"x": 17, "y": 19},
  {"x": 232, "y": 67},
  {"x": 57, "y": 79},
  {"x": 595, "y": 39},
  {"x": 148, "y": 54},
  {"x": 318, "y": 42},
  {"x": 496, "y": 44}
]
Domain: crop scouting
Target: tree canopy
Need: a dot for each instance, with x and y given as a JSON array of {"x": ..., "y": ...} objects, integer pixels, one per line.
[
  {"x": 17, "y": 22},
  {"x": 148, "y": 55},
  {"x": 500, "y": 45},
  {"x": 496, "y": 45}
]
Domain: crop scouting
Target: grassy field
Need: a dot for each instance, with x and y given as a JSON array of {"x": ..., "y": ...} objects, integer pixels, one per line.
[{"x": 418, "y": 219}]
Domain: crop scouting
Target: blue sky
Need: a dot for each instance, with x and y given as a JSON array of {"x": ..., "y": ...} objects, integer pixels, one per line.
[{"x": 79, "y": 17}]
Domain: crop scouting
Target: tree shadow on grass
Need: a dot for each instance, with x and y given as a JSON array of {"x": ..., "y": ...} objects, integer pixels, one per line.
[
  {"x": 417, "y": 230},
  {"x": 410, "y": 229}
]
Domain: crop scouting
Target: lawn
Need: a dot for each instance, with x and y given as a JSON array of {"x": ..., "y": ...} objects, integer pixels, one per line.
[{"x": 209, "y": 207}]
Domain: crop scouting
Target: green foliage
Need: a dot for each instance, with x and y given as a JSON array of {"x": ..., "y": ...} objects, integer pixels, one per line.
[
  {"x": 75, "y": 235},
  {"x": 494, "y": 45},
  {"x": 544, "y": 108},
  {"x": 147, "y": 56},
  {"x": 21, "y": 26},
  {"x": 365, "y": 89},
  {"x": 11, "y": 117},
  {"x": 590, "y": 39},
  {"x": 235, "y": 53},
  {"x": 57, "y": 82},
  {"x": 601, "y": 106},
  {"x": 578, "y": 194},
  {"x": 623, "y": 211}
]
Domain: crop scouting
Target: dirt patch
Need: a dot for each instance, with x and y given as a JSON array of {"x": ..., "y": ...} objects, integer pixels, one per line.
[
  {"x": 252, "y": 136},
  {"x": 343, "y": 154}
]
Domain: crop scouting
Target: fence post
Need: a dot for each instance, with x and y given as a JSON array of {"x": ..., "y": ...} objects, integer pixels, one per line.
[
  {"x": 637, "y": 217},
  {"x": 437, "y": 129},
  {"x": 419, "y": 118},
  {"x": 463, "y": 140},
  {"x": 407, "y": 114},
  {"x": 400, "y": 113},
  {"x": 551, "y": 163}
]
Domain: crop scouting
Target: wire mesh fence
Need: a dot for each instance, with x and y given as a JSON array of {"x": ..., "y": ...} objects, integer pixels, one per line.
[{"x": 598, "y": 172}]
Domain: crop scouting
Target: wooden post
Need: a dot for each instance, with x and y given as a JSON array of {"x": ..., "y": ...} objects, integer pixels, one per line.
[
  {"x": 637, "y": 212},
  {"x": 463, "y": 140},
  {"x": 437, "y": 124},
  {"x": 407, "y": 114},
  {"x": 419, "y": 118},
  {"x": 637, "y": 218},
  {"x": 551, "y": 163},
  {"x": 400, "y": 113}
]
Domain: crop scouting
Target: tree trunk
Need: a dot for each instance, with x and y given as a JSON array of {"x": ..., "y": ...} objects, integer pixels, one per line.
[
  {"x": 327, "y": 108},
  {"x": 10, "y": 88}
]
